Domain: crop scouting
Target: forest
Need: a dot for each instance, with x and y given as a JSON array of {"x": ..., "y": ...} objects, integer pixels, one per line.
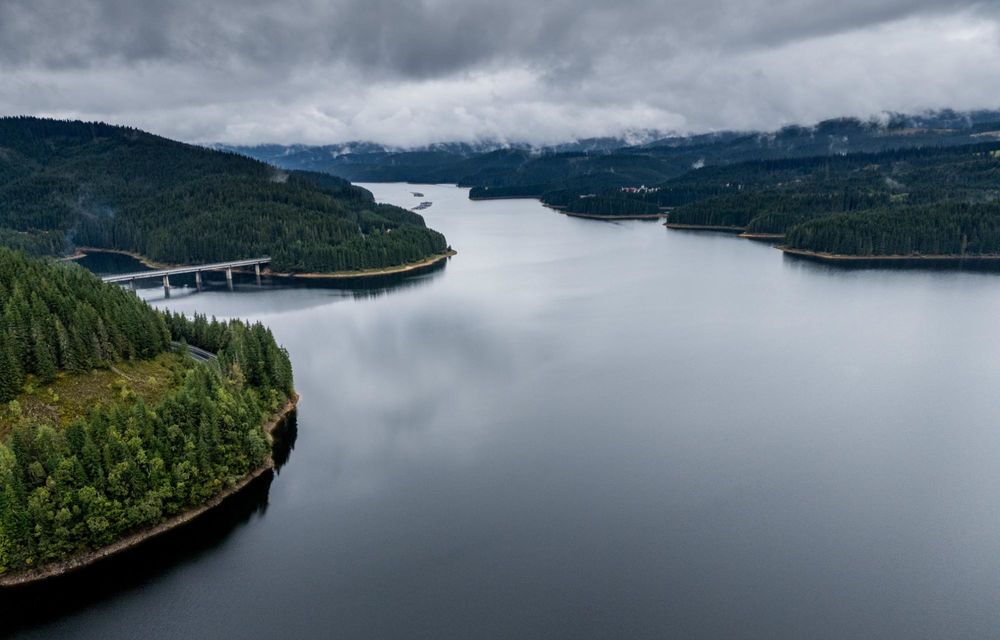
[
  {"x": 910, "y": 183},
  {"x": 904, "y": 201},
  {"x": 66, "y": 184},
  {"x": 125, "y": 465},
  {"x": 588, "y": 176},
  {"x": 959, "y": 229}
]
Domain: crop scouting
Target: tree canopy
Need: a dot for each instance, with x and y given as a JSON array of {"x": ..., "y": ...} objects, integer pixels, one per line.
[
  {"x": 128, "y": 465},
  {"x": 65, "y": 184}
]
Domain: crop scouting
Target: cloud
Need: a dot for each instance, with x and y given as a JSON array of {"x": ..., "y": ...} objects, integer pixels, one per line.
[{"x": 415, "y": 72}]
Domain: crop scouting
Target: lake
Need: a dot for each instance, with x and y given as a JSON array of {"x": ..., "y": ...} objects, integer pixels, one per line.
[{"x": 582, "y": 429}]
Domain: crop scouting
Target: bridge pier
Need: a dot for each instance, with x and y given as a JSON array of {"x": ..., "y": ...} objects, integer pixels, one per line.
[{"x": 130, "y": 279}]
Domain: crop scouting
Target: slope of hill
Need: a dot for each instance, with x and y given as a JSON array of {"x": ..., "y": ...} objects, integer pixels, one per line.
[
  {"x": 92, "y": 184},
  {"x": 910, "y": 184},
  {"x": 80, "y": 475},
  {"x": 770, "y": 196},
  {"x": 599, "y": 170},
  {"x": 437, "y": 163}
]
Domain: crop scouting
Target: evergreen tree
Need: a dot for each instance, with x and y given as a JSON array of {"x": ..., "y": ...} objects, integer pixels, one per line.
[
  {"x": 10, "y": 373},
  {"x": 116, "y": 469}
]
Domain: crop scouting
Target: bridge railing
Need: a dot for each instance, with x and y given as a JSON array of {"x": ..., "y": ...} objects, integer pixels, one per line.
[{"x": 196, "y": 269}]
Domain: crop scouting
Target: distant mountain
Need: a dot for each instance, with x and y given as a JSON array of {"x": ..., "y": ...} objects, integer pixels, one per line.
[
  {"x": 92, "y": 184},
  {"x": 925, "y": 184},
  {"x": 644, "y": 158},
  {"x": 440, "y": 162}
]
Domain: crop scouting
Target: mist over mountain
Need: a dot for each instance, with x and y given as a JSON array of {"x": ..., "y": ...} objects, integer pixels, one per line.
[
  {"x": 663, "y": 155},
  {"x": 410, "y": 74}
]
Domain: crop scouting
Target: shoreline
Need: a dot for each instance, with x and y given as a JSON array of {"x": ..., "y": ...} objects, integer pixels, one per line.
[
  {"x": 88, "y": 558},
  {"x": 763, "y": 236},
  {"x": 705, "y": 227},
  {"x": 842, "y": 257},
  {"x": 588, "y": 216},
  {"x": 81, "y": 252},
  {"x": 504, "y": 197},
  {"x": 597, "y": 216},
  {"x": 366, "y": 273}
]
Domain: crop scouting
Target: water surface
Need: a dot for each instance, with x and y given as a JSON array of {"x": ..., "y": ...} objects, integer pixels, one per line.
[{"x": 579, "y": 429}]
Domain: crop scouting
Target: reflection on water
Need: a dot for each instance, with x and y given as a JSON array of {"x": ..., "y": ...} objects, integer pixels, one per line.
[
  {"x": 110, "y": 263},
  {"x": 138, "y": 567},
  {"x": 591, "y": 430},
  {"x": 923, "y": 264},
  {"x": 284, "y": 437},
  {"x": 155, "y": 558}
]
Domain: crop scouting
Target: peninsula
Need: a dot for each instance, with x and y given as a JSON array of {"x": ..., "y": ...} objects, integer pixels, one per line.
[
  {"x": 109, "y": 434},
  {"x": 67, "y": 184}
]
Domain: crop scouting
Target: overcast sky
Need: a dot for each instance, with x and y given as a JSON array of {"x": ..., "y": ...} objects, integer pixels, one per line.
[{"x": 412, "y": 72}]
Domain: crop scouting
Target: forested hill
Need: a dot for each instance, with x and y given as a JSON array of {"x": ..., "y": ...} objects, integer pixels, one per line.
[
  {"x": 597, "y": 179},
  {"x": 948, "y": 229},
  {"x": 121, "y": 461},
  {"x": 66, "y": 184},
  {"x": 56, "y": 318},
  {"x": 909, "y": 186}
]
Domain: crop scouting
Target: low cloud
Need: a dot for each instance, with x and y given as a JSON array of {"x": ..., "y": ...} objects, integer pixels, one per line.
[{"x": 411, "y": 73}]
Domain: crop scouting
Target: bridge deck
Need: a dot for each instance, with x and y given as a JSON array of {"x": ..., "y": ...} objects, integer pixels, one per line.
[{"x": 159, "y": 273}]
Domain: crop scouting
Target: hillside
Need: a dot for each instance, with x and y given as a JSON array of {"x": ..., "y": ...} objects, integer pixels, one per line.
[
  {"x": 772, "y": 196},
  {"x": 957, "y": 229},
  {"x": 589, "y": 177},
  {"x": 909, "y": 185},
  {"x": 66, "y": 184},
  {"x": 103, "y": 432}
]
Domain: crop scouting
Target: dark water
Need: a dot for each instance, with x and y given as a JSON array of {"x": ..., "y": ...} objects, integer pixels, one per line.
[{"x": 580, "y": 429}]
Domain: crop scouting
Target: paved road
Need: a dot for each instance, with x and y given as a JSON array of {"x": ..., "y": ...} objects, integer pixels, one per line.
[{"x": 198, "y": 354}]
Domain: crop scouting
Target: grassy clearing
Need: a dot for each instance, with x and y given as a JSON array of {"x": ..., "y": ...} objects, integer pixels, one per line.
[{"x": 73, "y": 395}]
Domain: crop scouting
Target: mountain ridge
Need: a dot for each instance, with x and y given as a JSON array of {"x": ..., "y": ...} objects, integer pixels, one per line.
[{"x": 66, "y": 183}]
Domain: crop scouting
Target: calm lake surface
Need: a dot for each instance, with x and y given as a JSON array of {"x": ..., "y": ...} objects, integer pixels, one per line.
[{"x": 579, "y": 429}]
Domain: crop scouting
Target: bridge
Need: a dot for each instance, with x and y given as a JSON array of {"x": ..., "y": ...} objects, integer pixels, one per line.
[{"x": 165, "y": 274}]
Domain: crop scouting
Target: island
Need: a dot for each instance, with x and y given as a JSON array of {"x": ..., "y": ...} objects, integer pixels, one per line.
[{"x": 117, "y": 421}]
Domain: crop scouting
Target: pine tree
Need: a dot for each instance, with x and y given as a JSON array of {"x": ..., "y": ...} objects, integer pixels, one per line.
[
  {"x": 10, "y": 373},
  {"x": 44, "y": 359}
]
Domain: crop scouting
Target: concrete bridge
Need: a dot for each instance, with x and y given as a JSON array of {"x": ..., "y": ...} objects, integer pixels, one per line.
[{"x": 165, "y": 274}]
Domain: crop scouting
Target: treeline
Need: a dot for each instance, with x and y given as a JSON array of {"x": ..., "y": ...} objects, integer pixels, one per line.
[
  {"x": 499, "y": 193},
  {"x": 903, "y": 202},
  {"x": 775, "y": 210},
  {"x": 226, "y": 218},
  {"x": 954, "y": 229},
  {"x": 768, "y": 184},
  {"x": 914, "y": 184},
  {"x": 681, "y": 166},
  {"x": 90, "y": 184},
  {"x": 249, "y": 351},
  {"x": 63, "y": 318},
  {"x": 131, "y": 465},
  {"x": 37, "y": 243}
]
